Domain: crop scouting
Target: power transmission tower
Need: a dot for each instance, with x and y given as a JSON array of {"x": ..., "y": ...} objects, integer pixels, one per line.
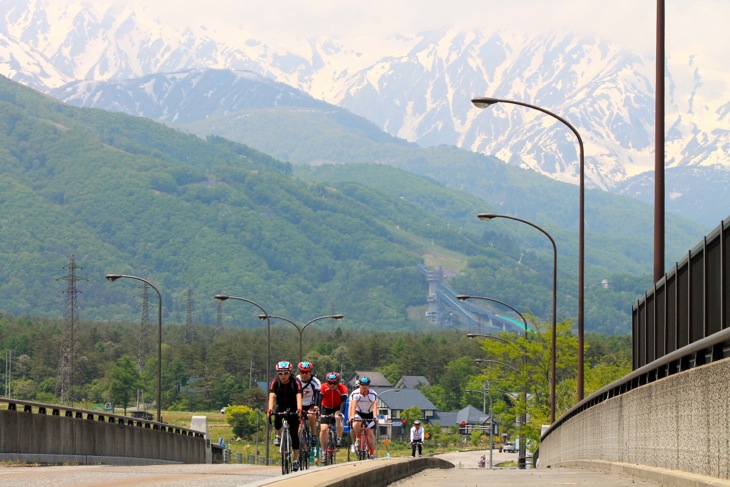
[
  {"x": 188, "y": 338},
  {"x": 64, "y": 387}
]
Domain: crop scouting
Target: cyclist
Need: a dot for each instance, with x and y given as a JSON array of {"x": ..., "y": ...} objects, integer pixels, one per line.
[
  {"x": 417, "y": 437},
  {"x": 333, "y": 398},
  {"x": 310, "y": 394},
  {"x": 286, "y": 392},
  {"x": 363, "y": 412}
]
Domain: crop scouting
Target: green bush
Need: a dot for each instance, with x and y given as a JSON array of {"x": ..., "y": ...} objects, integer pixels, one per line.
[{"x": 242, "y": 420}]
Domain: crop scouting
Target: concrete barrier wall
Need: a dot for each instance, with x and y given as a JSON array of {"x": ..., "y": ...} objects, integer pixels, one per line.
[
  {"x": 28, "y": 436},
  {"x": 680, "y": 422}
]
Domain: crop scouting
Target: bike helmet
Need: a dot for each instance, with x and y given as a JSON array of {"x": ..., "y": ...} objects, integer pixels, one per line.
[
  {"x": 416, "y": 422},
  {"x": 283, "y": 367},
  {"x": 333, "y": 378},
  {"x": 364, "y": 381},
  {"x": 305, "y": 366}
]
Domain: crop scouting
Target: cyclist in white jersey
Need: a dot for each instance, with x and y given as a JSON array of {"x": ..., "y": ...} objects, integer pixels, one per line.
[
  {"x": 310, "y": 393},
  {"x": 364, "y": 406}
]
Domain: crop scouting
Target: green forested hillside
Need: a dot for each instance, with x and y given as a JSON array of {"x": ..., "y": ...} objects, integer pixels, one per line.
[{"x": 126, "y": 195}]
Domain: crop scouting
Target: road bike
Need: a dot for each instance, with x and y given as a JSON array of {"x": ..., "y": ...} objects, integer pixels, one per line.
[
  {"x": 329, "y": 450},
  {"x": 418, "y": 445},
  {"x": 285, "y": 446},
  {"x": 305, "y": 435},
  {"x": 363, "y": 446}
]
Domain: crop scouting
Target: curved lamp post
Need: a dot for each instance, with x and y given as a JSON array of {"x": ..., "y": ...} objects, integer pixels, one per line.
[
  {"x": 464, "y": 297},
  {"x": 553, "y": 347},
  {"x": 224, "y": 297},
  {"x": 114, "y": 277},
  {"x": 484, "y": 102},
  {"x": 522, "y": 454},
  {"x": 300, "y": 329}
]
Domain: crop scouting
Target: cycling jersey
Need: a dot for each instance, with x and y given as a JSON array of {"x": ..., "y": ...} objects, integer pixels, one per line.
[
  {"x": 363, "y": 402},
  {"x": 286, "y": 394},
  {"x": 416, "y": 434},
  {"x": 333, "y": 398},
  {"x": 309, "y": 391}
]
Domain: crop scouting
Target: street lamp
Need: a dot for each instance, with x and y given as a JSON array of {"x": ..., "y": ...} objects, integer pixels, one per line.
[
  {"x": 224, "y": 297},
  {"x": 522, "y": 454},
  {"x": 114, "y": 277},
  {"x": 302, "y": 328},
  {"x": 464, "y": 297},
  {"x": 484, "y": 102},
  {"x": 491, "y": 418},
  {"x": 554, "y": 347}
]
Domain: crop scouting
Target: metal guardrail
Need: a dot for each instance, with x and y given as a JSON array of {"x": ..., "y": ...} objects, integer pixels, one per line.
[{"x": 691, "y": 302}]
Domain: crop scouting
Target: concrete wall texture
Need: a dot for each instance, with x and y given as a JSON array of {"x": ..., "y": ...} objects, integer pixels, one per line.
[
  {"x": 681, "y": 422},
  {"x": 26, "y": 436}
]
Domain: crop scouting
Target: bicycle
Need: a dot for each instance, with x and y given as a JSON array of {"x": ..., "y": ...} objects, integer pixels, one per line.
[
  {"x": 304, "y": 443},
  {"x": 363, "y": 448},
  {"x": 285, "y": 447},
  {"x": 417, "y": 445},
  {"x": 330, "y": 450}
]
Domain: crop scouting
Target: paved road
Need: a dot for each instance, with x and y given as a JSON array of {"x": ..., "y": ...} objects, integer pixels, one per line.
[
  {"x": 200, "y": 475},
  {"x": 468, "y": 474}
]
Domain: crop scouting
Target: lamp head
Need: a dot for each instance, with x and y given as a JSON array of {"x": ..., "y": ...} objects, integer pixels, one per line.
[
  {"x": 222, "y": 297},
  {"x": 462, "y": 297},
  {"x": 337, "y": 317},
  {"x": 485, "y": 217},
  {"x": 113, "y": 277},
  {"x": 471, "y": 335},
  {"x": 484, "y": 102},
  {"x": 264, "y": 317}
]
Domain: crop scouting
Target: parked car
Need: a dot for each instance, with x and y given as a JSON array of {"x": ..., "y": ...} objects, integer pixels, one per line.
[
  {"x": 142, "y": 415},
  {"x": 508, "y": 447}
]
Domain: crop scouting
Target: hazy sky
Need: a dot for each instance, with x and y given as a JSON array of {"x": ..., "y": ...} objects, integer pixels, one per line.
[{"x": 694, "y": 25}]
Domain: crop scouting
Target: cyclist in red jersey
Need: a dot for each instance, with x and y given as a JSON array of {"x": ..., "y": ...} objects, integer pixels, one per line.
[{"x": 333, "y": 398}]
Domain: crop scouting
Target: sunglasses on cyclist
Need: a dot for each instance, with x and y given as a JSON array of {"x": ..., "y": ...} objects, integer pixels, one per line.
[{"x": 283, "y": 373}]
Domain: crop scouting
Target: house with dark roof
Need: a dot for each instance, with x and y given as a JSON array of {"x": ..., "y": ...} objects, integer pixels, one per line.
[
  {"x": 392, "y": 402},
  {"x": 411, "y": 382},
  {"x": 467, "y": 419},
  {"x": 376, "y": 379}
]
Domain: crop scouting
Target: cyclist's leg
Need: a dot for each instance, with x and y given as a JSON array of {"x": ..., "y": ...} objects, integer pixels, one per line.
[
  {"x": 371, "y": 440},
  {"x": 340, "y": 425}
]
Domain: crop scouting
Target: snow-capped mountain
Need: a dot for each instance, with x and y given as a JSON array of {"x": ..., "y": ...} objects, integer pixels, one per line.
[{"x": 417, "y": 87}]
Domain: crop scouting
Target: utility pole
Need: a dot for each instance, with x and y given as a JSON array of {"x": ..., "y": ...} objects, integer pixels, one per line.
[{"x": 188, "y": 338}]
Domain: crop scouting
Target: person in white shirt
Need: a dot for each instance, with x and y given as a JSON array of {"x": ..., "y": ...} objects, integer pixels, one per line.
[
  {"x": 310, "y": 395},
  {"x": 363, "y": 413},
  {"x": 417, "y": 437}
]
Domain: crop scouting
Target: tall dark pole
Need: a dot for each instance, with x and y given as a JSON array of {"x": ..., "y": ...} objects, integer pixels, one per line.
[
  {"x": 554, "y": 346},
  {"x": 484, "y": 103},
  {"x": 300, "y": 329},
  {"x": 114, "y": 277},
  {"x": 659, "y": 147},
  {"x": 224, "y": 297}
]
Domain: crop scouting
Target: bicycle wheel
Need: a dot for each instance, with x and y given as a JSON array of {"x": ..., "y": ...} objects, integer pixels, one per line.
[
  {"x": 304, "y": 448},
  {"x": 286, "y": 452},
  {"x": 363, "y": 452},
  {"x": 331, "y": 446}
]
